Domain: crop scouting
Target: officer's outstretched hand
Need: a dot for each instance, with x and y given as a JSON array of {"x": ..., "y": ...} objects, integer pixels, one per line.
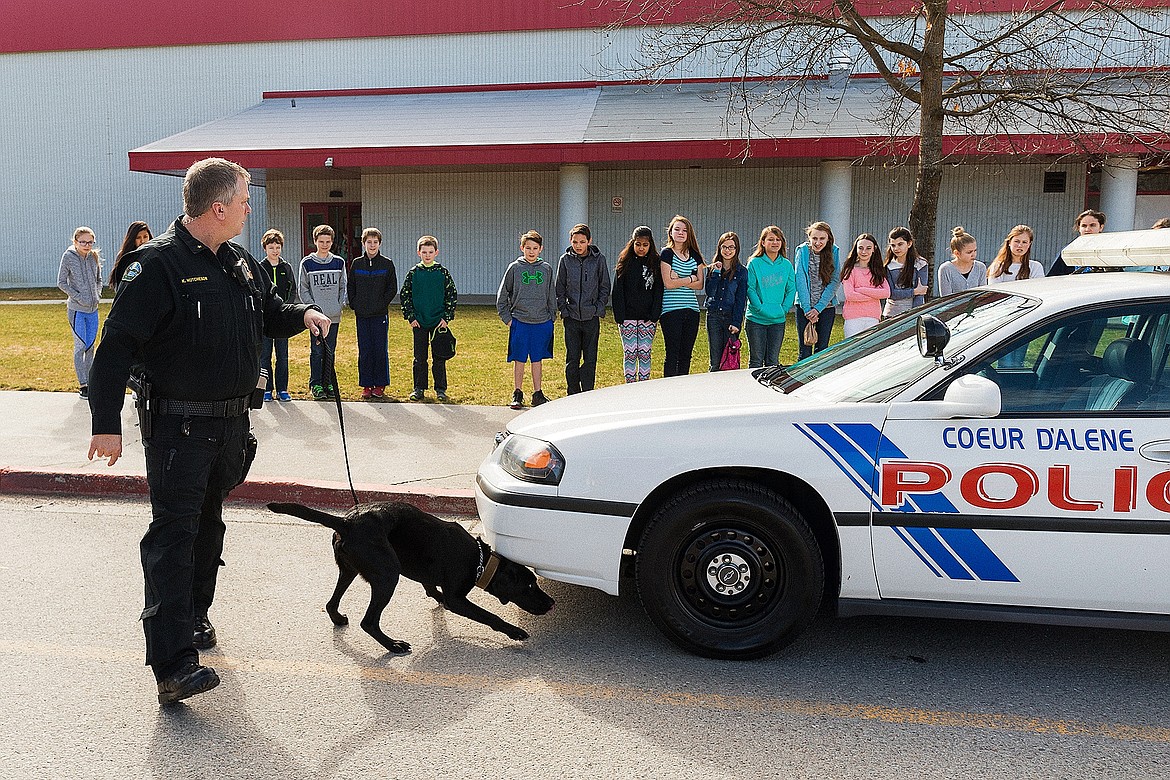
[
  {"x": 106, "y": 445},
  {"x": 317, "y": 323}
]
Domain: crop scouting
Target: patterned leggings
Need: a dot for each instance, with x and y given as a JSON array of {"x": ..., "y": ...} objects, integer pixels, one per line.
[{"x": 637, "y": 337}]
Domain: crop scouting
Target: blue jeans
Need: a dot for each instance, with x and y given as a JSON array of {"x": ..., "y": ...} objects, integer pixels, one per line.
[
  {"x": 373, "y": 360},
  {"x": 764, "y": 342},
  {"x": 320, "y": 364},
  {"x": 824, "y": 330},
  {"x": 717, "y": 334},
  {"x": 277, "y": 380}
]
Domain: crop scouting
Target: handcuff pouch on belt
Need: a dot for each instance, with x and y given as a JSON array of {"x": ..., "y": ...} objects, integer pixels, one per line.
[{"x": 142, "y": 397}]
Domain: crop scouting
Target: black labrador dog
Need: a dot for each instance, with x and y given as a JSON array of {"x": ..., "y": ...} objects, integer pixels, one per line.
[{"x": 385, "y": 540}]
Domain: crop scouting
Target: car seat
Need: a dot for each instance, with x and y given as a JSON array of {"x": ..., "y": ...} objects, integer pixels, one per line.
[{"x": 1128, "y": 366}]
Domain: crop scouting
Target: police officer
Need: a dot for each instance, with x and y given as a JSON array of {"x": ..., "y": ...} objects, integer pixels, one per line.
[{"x": 190, "y": 314}]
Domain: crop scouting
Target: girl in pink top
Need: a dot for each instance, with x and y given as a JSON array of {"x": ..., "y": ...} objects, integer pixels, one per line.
[{"x": 864, "y": 292}]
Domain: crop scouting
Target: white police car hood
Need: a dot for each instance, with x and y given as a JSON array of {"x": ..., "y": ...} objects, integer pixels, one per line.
[
  {"x": 658, "y": 404},
  {"x": 619, "y": 442}
]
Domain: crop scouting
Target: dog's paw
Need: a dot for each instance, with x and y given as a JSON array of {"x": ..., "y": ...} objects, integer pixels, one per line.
[
  {"x": 398, "y": 646},
  {"x": 514, "y": 632},
  {"x": 338, "y": 619}
]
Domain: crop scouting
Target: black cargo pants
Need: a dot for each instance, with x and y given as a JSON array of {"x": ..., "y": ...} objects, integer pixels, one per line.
[{"x": 191, "y": 465}]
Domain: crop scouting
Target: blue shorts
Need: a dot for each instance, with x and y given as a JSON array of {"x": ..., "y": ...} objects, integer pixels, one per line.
[{"x": 530, "y": 343}]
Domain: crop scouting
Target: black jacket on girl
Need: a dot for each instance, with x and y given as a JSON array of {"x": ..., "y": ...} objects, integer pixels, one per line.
[{"x": 637, "y": 294}]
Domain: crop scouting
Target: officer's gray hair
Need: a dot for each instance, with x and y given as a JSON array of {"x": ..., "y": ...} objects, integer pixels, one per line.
[{"x": 214, "y": 180}]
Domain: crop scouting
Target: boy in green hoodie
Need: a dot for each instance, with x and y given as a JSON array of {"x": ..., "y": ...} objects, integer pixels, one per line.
[{"x": 428, "y": 300}]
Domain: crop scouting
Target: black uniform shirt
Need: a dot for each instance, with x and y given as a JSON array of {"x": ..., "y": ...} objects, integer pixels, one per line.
[{"x": 184, "y": 315}]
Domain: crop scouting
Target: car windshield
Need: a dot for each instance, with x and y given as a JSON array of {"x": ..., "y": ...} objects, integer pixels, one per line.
[{"x": 878, "y": 364}]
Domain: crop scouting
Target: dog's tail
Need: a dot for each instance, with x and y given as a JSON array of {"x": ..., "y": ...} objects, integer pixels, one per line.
[{"x": 306, "y": 513}]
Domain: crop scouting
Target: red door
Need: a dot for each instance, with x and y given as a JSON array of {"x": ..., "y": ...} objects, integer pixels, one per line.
[{"x": 346, "y": 221}]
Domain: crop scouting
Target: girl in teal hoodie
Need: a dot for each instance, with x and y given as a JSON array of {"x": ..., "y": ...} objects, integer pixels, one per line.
[
  {"x": 771, "y": 288},
  {"x": 816, "y": 285}
]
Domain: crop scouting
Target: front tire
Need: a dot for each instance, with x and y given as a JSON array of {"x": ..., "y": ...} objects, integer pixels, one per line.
[{"x": 729, "y": 569}]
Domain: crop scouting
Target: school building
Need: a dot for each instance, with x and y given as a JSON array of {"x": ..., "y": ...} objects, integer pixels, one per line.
[{"x": 472, "y": 121}]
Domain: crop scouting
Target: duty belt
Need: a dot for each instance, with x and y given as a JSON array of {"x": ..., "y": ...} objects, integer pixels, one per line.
[{"x": 233, "y": 407}]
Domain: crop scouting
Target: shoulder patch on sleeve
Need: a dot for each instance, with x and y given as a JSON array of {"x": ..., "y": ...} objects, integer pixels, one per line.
[{"x": 132, "y": 271}]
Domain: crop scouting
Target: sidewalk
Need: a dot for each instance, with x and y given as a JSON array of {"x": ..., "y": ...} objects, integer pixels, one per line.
[{"x": 424, "y": 453}]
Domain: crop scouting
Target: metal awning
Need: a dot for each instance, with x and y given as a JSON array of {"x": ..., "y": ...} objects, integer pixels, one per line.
[{"x": 548, "y": 125}]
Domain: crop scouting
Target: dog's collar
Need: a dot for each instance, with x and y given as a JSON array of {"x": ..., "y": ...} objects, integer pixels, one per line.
[{"x": 486, "y": 570}]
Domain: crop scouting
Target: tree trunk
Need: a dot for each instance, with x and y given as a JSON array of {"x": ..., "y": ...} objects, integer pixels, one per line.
[{"x": 924, "y": 210}]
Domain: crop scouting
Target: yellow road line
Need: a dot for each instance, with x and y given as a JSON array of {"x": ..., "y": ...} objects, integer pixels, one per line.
[{"x": 907, "y": 716}]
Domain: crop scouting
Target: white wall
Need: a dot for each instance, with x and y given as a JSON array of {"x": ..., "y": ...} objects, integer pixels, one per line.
[{"x": 70, "y": 118}]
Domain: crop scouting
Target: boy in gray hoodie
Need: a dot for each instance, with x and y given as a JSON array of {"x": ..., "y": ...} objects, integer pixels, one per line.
[
  {"x": 527, "y": 304},
  {"x": 322, "y": 281},
  {"x": 582, "y": 292},
  {"x": 80, "y": 277}
]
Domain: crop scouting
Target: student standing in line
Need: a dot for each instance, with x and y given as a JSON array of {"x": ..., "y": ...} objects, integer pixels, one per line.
[
  {"x": 908, "y": 273},
  {"x": 637, "y": 302},
  {"x": 372, "y": 285},
  {"x": 322, "y": 282},
  {"x": 818, "y": 277},
  {"x": 80, "y": 278},
  {"x": 1014, "y": 259},
  {"x": 962, "y": 271},
  {"x": 863, "y": 278},
  {"x": 727, "y": 288},
  {"x": 683, "y": 273},
  {"x": 1089, "y": 222},
  {"x": 136, "y": 235},
  {"x": 527, "y": 304},
  {"x": 428, "y": 301},
  {"x": 771, "y": 290},
  {"x": 286, "y": 287},
  {"x": 582, "y": 288}
]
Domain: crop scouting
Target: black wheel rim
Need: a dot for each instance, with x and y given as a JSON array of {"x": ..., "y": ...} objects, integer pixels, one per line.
[{"x": 730, "y": 575}]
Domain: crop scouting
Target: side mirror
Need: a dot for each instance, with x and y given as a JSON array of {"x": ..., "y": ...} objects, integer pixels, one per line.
[
  {"x": 968, "y": 396},
  {"x": 933, "y": 336}
]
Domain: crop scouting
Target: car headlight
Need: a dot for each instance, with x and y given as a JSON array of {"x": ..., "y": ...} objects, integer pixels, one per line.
[{"x": 532, "y": 460}]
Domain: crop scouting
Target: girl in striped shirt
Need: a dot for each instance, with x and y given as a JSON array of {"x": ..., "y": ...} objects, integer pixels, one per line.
[{"x": 683, "y": 274}]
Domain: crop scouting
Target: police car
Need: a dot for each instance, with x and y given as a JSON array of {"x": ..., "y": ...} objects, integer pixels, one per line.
[{"x": 1002, "y": 453}]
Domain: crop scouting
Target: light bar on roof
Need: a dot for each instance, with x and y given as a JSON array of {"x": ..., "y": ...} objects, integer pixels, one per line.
[{"x": 1120, "y": 250}]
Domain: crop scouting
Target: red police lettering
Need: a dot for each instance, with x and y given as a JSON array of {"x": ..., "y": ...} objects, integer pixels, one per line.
[
  {"x": 1125, "y": 489},
  {"x": 1158, "y": 492},
  {"x": 974, "y": 492},
  {"x": 1058, "y": 494},
  {"x": 902, "y": 477}
]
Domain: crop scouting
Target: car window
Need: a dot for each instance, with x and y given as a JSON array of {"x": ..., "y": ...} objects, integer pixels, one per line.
[
  {"x": 879, "y": 364},
  {"x": 1101, "y": 362}
]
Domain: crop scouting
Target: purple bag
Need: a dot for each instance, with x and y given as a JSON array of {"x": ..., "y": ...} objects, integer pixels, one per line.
[{"x": 729, "y": 360}]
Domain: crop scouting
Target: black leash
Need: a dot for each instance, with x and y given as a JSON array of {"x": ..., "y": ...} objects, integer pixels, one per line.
[{"x": 332, "y": 373}]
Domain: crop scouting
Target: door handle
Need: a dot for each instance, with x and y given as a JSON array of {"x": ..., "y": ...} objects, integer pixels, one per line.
[{"x": 1157, "y": 451}]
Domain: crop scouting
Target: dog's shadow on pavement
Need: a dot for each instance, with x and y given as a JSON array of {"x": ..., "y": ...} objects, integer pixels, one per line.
[{"x": 452, "y": 676}]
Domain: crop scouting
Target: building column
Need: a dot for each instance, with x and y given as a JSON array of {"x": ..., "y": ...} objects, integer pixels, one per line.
[
  {"x": 1119, "y": 184},
  {"x": 837, "y": 200},
  {"x": 574, "y": 188}
]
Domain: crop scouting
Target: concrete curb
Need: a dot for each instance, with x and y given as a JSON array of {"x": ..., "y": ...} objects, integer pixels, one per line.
[{"x": 317, "y": 494}]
